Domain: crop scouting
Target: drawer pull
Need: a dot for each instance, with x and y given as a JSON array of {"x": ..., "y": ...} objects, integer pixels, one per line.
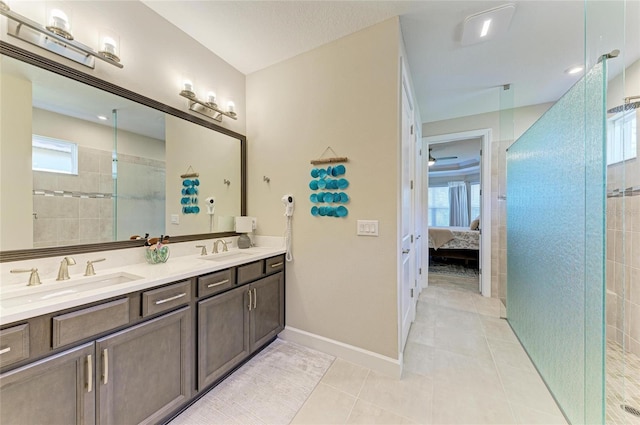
[
  {"x": 175, "y": 297},
  {"x": 250, "y": 302},
  {"x": 89, "y": 373},
  {"x": 273, "y": 266},
  {"x": 105, "y": 366},
  {"x": 222, "y": 282},
  {"x": 5, "y": 350}
]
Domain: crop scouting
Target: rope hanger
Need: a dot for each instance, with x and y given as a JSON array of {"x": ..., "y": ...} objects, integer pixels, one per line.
[{"x": 329, "y": 160}]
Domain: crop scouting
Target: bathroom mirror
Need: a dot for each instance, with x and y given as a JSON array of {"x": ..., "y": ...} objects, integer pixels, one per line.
[{"x": 93, "y": 164}]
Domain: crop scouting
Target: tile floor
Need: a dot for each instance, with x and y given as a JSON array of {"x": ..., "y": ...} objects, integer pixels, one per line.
[
  {"x": 463, "y": 365},
  {"x": 622, "y": 384}
]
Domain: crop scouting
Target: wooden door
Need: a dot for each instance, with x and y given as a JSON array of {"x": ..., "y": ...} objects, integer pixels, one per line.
[
  {"x": 144, "y": 372},
  {"x": 267, "y": 309},
  {"x": 223, "y": 334},
  {"x": 56, "y": 390}
]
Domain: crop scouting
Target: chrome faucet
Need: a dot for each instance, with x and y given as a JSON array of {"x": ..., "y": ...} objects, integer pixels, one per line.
[
  {"x": 203, "y": 249},
  {"x": 63, "y": 271},
  {"x": 224, "y": 246}
]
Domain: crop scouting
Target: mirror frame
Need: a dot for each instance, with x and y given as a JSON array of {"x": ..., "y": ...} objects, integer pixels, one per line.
[{"x": 31, "y": 58}]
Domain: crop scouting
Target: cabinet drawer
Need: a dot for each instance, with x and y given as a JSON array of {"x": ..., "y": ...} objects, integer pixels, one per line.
[
  {"x": 81, "y": 324},
  {"x": 274, "y": 264},
  {"x": 14, "y": 344},
  {"x": 249, "y": 272},
  {"x": 216, "y": 282},
  {"x": 166, "y": 298}
]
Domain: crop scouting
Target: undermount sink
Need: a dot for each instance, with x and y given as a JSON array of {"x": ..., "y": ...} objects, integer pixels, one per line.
[
  {"x": 225, "y": 256},
  {"x": 59, "y": 289}
]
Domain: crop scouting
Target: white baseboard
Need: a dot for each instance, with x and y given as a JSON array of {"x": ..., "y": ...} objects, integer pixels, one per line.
[{"x": 369, "y": 359}]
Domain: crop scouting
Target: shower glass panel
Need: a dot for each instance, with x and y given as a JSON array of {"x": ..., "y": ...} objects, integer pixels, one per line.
[
  {"x": 139, "y": 172},
  {"x": 507, "y": 124},
  {"x": 555, "y": 242}
]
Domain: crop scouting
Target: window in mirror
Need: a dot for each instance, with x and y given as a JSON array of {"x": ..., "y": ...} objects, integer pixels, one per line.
[
  {"x": 622, "y": 140},
  {"x": 53, "y": 155}
]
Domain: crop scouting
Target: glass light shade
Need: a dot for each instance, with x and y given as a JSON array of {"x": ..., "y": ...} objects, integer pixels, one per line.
[
  {"x": 231, "y": 108},
  {"x": 109, "y": 45},
  {"x": 211, "y": 98},
  {"x": 58, "y": 22}
]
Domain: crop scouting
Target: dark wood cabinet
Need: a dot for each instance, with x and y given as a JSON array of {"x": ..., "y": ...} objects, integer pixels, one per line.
[
  {"x": 223, "y": 334},
  {"x": 138, "y": 356},
  {"x": 144, "y": 372},
  {"x": 57, "y": 390},
  {"x": 266, "y": 315}
]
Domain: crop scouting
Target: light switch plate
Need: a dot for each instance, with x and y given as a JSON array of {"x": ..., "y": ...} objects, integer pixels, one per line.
[
  {"x": 175, "y": 219},
  {"x": 367, "y": 228}
]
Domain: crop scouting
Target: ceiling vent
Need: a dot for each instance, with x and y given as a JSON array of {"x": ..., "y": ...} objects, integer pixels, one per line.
[{"x": 487, "y": 25}]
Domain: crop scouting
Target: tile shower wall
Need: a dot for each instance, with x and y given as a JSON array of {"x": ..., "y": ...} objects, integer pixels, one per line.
[
  {"x": 499, "y": 218},
  {"x": 623, "y": 255},
  {"x": 88, "y": 215}
]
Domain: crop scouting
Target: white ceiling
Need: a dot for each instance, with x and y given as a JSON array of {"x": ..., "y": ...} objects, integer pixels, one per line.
[{"x": 545, "y": 38}]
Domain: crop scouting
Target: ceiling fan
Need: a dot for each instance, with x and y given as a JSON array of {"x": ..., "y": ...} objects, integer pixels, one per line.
[{"x": 433, "y": 160}]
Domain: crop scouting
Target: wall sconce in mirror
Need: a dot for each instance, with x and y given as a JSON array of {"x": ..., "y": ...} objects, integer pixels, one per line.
[
  {"x": 57, "y": 38},
  {"x": 208, "y": 108}
]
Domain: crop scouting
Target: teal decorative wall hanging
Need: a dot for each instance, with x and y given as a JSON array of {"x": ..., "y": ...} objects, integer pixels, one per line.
[{"x": 329, "y": 180}]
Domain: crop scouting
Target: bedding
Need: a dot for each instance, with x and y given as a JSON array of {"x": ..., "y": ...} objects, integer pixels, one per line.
[{"x": 463, "y": 238}]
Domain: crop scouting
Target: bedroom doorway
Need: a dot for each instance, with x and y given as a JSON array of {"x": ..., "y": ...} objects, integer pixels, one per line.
[{"x": 458, "y": 180}]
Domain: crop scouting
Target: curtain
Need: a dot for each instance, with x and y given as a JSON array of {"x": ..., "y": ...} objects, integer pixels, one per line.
[{"x": 458, "y": 204}]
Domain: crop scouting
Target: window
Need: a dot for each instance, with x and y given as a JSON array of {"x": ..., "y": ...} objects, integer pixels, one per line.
[
  {"x": 475, "y": 201},
  {"x": 439, "y": 206},
  {"x": 53, "y": 155},
  {"x": 622, "y": 137}
]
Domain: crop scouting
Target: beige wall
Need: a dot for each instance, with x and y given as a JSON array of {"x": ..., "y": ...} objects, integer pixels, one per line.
[
  {"x": 345, "y": 95},
  {"x": 523, "y": 118},
  {"x": 16, "y": 204},
  {"x": 156, "y": 56},
  {"x": 198, "y": 147}
]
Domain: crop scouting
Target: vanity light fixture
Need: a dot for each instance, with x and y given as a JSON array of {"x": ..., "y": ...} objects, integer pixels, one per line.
[
  {"x": 57, "y": 38},
  {"x": 209, "y": 107}
]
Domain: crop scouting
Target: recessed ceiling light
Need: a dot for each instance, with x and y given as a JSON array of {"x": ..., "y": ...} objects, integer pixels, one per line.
[
  {"x": 102, "y": 117},
  {"x": 486, "y": 25},
  {"x": 574, "y": 70}
]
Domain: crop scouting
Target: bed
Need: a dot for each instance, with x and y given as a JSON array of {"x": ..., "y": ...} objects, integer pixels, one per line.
[{"x": 454, "y": 242}]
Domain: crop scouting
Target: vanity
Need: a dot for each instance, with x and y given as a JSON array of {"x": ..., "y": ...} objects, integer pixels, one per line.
[
  {"x": 141, "y": 350},
  {"x": 136, "y": 343}
]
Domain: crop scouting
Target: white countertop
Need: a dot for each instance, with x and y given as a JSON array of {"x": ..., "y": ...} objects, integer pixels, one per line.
[{"x": 151, "y": 275}]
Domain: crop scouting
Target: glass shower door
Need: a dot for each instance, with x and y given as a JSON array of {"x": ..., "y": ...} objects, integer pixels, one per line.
[{"x": 555, "y": 242}]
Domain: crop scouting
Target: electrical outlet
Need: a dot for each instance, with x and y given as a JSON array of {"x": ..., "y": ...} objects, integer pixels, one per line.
[{"x": 254, "y": 223}]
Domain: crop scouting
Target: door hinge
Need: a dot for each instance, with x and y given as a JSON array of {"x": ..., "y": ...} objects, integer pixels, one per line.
[
  {"x": 411, "y": 292},
  {"x": 420, "y": 153},
  {"x": 411, "y": 128},
  {"x": 480, "y": 192},
  {"x": 411, "y": 238},
  {"x": 420, "y": 270},
  {"x": 411, "y": 184},
  {"x": 480, "y": 152}
]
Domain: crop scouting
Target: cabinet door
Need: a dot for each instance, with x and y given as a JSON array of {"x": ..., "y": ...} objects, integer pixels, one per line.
[
  {"x": 267, "y": 309},
  {"x": 223, "y": 334},
  {"x": 56, "y": 390},
  {"x": 144, "y": 372}
]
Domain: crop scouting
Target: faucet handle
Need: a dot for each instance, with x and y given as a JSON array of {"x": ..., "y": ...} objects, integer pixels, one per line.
[
  {"x": 203, "y": 249},
  {"x": 90, "y": 271},
  {"x": 34, "y": 278}
]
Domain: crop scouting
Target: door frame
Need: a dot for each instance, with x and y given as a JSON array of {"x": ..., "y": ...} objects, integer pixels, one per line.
[{"x": 485, "y": 179}]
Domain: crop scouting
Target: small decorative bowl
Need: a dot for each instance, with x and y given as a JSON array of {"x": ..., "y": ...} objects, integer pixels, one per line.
[{"x": 156, "y": 256}]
